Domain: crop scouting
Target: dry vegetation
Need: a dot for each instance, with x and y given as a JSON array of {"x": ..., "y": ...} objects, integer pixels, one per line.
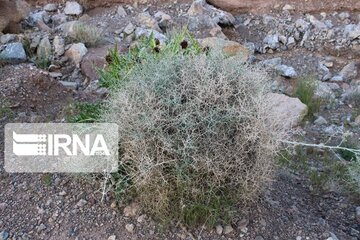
[{"x": 197, "y": 137}]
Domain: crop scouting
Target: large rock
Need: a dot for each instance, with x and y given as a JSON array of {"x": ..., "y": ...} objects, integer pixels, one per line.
[
  {"x": 11, "y": 13},
  {"x": 141, "y": 32},
  {"x": 286, "y": 71},
  {"x": 73, "y": 8},
  {"x": 148, "y": 21},
  {"x": 349, "y": 72},
  {"x": 230, "y": 48},
  {"x": 76, "y": 52},
  {"x": 291, "y": 111},
  {"x": 44, "y": 49},
  {"x": 203, "y": 26},
  {"x": 218, "y": 16},
  {"x": 95, "y": 59},
  {"x": 13, "y": 53}
]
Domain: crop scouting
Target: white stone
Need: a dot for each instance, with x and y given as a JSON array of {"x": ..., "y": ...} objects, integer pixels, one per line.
[
  {"x": 73, "y": 8},
  {"x": 76, "y": 52},
  {"x": 130, "y": 227},
  {"x": 50, "y": 7},
  {"x": 288, "y": 7},
  {"x": 219, "y": 229},
  {"x": 291, "y": 111}
]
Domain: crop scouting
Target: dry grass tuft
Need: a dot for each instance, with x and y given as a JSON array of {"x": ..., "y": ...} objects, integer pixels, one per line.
[
  {"x": 89, "y": 35},
  {"x": 196, "y": 136}
]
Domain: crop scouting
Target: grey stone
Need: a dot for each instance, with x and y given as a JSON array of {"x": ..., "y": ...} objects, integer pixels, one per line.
[
  {"x": 286, "y": 71},
  {"x": 41, "y": 228},
  {"x": 228, "y": 229},
  {"x": 268, "y": 19},
  {"x": 81, "y": 203},
  {"x": 357, "y": 210},
  {"x": 320, "y": 121},
  {"x": 349, "y": 72},
  {"x": 13, "y": 53},
  {"x": 50, "y": 7},
  {"x": 332, "y": 237},
  {"x": 200, "y": 7},
  {"x": 325, "y": 72},
  {"x": 141, "y": 32},
  {"x": 44, "y": 48},
  {"x": 344, "y": 15},
  {"x": 6, "y": 38},
  {"x": 291, "y": 42},
  {"x": 302, "y": 25},
  {"x": 73, "y": 8},
  {"x": 148, "y": 21},
  {"x": 59, "y": 45},
  {"x": 317, "y": 23},
  {"x": 272, "y": 41},
  {"x": 129, "y": 29},
  {"x": 205, "y": 26},
  {"x": 352, "y": 31},
  {"x": 4, "y": 235},
  {"x": 337, "y": 78},
  {"x": 35, "y": 17},
  {"x": 324, "y": 91},
  {"x": 72, "y": 85},
  {"x": 35, "y": 42},
  {"x": 273, "y": 62},
  {"x": 121, "y": 12},
  {"x": 58, "y": 19},
  {"x": 283, "y": 39}
]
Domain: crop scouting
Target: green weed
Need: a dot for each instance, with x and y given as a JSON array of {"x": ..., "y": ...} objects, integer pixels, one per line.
[{"x": 305, "y": 91}]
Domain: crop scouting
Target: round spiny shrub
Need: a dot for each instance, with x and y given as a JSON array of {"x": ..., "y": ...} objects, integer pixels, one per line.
[{"x": 197, "y": 137}]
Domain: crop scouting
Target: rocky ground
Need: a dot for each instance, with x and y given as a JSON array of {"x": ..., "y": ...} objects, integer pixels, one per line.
[{"x": 47, "y": 66}]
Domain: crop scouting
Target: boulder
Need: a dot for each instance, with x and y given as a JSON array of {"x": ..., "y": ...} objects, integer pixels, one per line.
[
  {"x": 291, "y": 111},
  {"x": 6, "y": 38},
  {"x": 76, "y": 52},
  {"x": 230, "y": 48},
  {"x": 200, "y": 7},
  {"x": 44, "y": 49},
  {"x": 203, "y": 26},
  {"x": 129, "y": 29},
  {"x": 95, "y": 59},
  {"x": 349, "y": 72},
  {"x": 11, "y": 13},
  {"x": 324, "y": 91},
  {"x": 148, "y": 21},
  {"x": 286, "y": 71},
  {"x": 13, "y": 53},
  {"x": 272, "y": 41},
  {"x": 141, "y": 32},
  {"x": 73, "y": 8},
  {"x": 50, "y": 7}
]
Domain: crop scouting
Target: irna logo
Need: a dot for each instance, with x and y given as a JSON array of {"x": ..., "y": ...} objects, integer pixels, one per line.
[{"x": 58, "y": 144}]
